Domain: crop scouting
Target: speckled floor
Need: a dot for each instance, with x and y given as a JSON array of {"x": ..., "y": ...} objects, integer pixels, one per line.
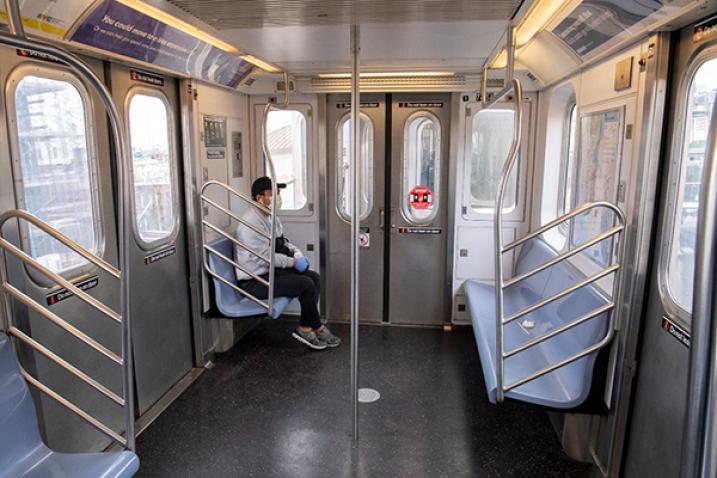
[{"x": 273, "y": 408}]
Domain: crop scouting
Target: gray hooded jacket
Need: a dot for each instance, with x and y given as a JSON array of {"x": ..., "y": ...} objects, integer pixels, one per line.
[{"x": 260, "y": 244}]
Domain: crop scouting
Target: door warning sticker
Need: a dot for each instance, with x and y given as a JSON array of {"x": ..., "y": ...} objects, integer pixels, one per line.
[
  {"x": 420, "y": 197},
  {"x": 62, "y": 294},
  {"x": 152, "y": 258},
  {"x": 676, "y": 331},
  {"x": 364, "y": 238}
]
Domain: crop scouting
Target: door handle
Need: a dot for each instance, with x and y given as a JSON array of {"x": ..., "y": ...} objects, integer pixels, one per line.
[{"x": 381, "y": 218}]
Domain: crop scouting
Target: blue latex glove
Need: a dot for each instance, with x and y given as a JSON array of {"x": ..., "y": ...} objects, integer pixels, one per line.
[{"x": 302, "y": 264}]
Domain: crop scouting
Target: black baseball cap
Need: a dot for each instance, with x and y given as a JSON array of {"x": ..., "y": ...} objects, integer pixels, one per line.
[{"x": 263, "y": 184}]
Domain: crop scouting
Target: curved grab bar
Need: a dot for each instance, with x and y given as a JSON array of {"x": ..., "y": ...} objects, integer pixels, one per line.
[
  {"x": 510, "y": 160},
  {"x": 16, "y": 39},
  {"x": 75, "y": 246}
]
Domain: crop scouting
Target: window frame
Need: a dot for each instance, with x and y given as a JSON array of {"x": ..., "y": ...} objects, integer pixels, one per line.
[
  {"x": 171, "y": 237},
  {"x": 516, "y": 213},
  {"x": 345, "y": 118},
  {"x": 405, "y": 207},
  {"x": 566, "y": 165},
  {"x": 667, "y": 236},
  {"x": 305, "y": 110},
  {"x": 62, "y": 74}
]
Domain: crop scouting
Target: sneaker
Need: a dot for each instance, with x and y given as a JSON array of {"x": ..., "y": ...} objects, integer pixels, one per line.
[
  {"x": 309, "y": 338},
  {"x": 328, "y": 338}
]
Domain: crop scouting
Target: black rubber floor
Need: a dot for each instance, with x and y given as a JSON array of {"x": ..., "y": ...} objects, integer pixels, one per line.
[{"x": 273, "y": 408}]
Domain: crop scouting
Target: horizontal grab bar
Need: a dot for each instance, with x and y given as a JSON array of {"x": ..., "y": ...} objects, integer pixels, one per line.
[
  {"x": 562, "y": 363},
  {"x": 583, "y": 208},
  {"x": 84, "y": 296},
  {"x": 236, "y": 288},
  {"x": 73, "y": 408},
  {"x": 73, "y": 245},
  {"x": 235, "y": 264},
  {"x": 600, "y": 237},
  {"x": 235, "y": 217},
  {"x": 29, "y": 341},
  {"x": 558, "y": 330},
  {"x": 236, "y": 193},
  {"x": 60, "y": 322},
  {"x": 235, "y": 241},
  {"x": 561, "y": 294}
]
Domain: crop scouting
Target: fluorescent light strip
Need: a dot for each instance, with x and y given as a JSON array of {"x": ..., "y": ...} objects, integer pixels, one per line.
[
  {"x": 539, "y": 15},
  {"x": 175, "y": 22},
  {"x": 390, "y": 74},
  {"x": 260, "y": 63}
]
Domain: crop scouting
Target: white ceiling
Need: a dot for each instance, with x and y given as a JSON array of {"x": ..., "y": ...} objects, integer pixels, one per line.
[
  {"x": 460, "y": 46},
  {"x": 226, "y": 14},
  {"x": 312, "y": 36}
]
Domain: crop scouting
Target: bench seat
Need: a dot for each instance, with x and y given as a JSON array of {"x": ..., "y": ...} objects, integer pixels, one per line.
[
  {"x": 229, "y": 302},
  {"x": 22, "y": 452},
  {"x": 568, "y": 386}
]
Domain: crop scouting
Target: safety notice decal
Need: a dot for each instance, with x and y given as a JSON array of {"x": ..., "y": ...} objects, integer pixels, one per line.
[
  {"x": 149, "y": 78},
  {"x": 62, "y": 294},
  {"x": 420, "y": 197},
  {"x": 346, "y": 106},
  {"x": 676, "y": 331},
  {"x": 152, "y": 258},
  {"x": 425, "y": 104},
  {"x": 419, "y": 230}
]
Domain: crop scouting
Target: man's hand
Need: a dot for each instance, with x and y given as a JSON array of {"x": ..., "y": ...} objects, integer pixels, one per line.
[{"x": 301, "y": 263}]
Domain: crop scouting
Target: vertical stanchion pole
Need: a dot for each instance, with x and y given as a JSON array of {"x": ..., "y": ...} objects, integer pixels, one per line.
[{"x": 354, "y": 175}]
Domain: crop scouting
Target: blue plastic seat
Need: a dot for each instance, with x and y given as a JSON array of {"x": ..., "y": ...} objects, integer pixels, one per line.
[
  {"x": 22, "y": 452},
  {"x": 566, "y": 387},
  {"x": 231, "y": 303}
]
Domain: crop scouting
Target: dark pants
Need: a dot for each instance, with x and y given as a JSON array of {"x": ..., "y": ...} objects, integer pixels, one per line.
[{"x": 291, "y": 283}]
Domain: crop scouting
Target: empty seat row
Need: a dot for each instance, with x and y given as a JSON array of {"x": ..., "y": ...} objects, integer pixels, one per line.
[{"x": 568, "y": 386}]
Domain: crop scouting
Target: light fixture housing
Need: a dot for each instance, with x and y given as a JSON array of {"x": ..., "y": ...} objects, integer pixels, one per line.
[{"x": 390, "y": 74}]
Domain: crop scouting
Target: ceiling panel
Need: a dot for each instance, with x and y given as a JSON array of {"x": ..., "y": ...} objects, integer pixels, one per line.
[{"x": 234, "y": 14}]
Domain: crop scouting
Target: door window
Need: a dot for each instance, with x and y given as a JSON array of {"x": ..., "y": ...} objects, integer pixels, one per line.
[
  {"x": 491, "y": 137},
  {"x": 681, "y": 262},
  {"x": 343, "y": 189},
  {"x": 56, "y": 166},
  {"x": 421, "y": 167},
  {"x": 150, "y": 132},
  {"x": 287, "y": 138}
]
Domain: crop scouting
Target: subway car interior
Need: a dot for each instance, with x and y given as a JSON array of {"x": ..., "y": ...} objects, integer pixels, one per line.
[{"x": 358, "y": 238}]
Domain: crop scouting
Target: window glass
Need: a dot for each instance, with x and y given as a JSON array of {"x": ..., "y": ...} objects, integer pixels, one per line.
[
  {"x": 421, "y": 167},
  {"x": 492, "y": 134},
  {"x": 566, "y": 190},
  {"x": 151, "y": 144},
  {"x": 597, "y": 172},
  {"x": 343, "y": 189},
  {"x": 55, "y": 165},
  {"x": 681, "y": 264},
  {"x": 286, "y": 135}
]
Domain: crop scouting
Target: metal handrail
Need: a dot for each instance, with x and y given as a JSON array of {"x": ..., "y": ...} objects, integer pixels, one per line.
[
  {"x": 207, "y": 249},
  {"x": 16, "y": 39},
  {"x": 501, "y": 285},
  {"x": 271, "y": 212},
  {"x": 509, "y": 73},
  {"x": 13, "y": 292},
  {"x": 512, "y": 157}
]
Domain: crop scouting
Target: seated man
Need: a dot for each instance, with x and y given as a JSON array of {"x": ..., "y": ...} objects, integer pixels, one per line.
[{"x": 292, "y": 277}]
